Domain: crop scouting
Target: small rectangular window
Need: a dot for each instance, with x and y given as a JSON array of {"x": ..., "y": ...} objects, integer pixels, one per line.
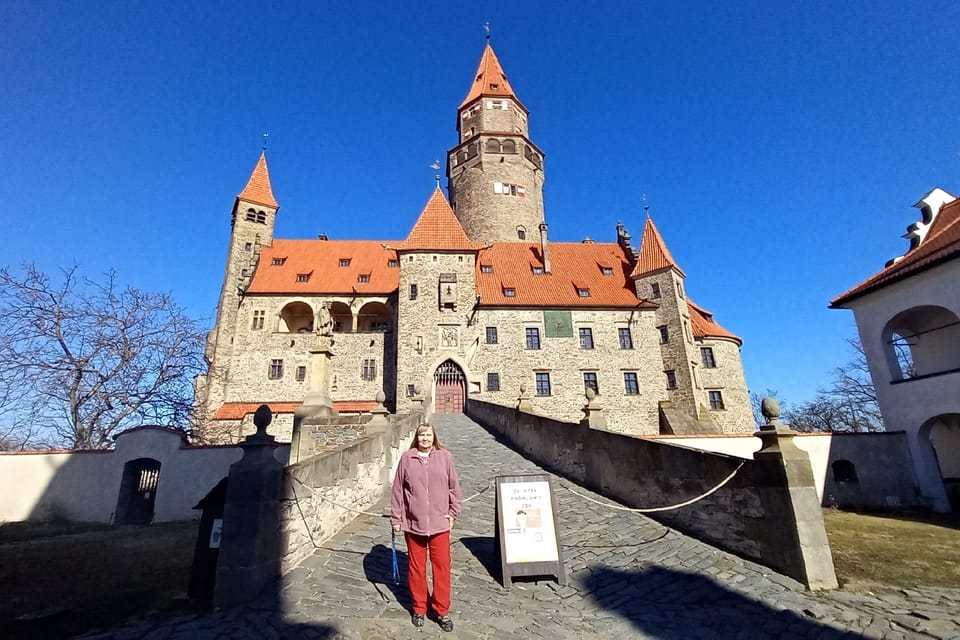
[
  {"x": 590, "y": 381},
  {"x": 607, "y": 271},
  {"x": 243, "y": 273},
  {"x": 671, "y": 379},
  {"x": 543, "y": 384},
  {"x": 706, "y": 356},
  {"x": 258, "y": 317},
  {"x": 491, "y": 335},
  {"x": 664, "y": 334},
  {"x": 248, "y": 246},
  {"x": 301, "y": 374},
  {"x": 303, "y": 277},
  {"x": 626, "y": 339},
  {"x": 583, "y": 293},
  {"x": 276, "y": 369},
  {"x": 363, "y": 277},
  {"x": 533, "y": 338},
  {"x": 413, "y": 292},
  {"x": 716, "y": 400},
  {"x": 509, "y": 292},
  {"x": 630, "y": 385},
  {"x": 486, "y": 268},
  {"x": 393, "y": 264},
  {"x": 654, "y": 290},
  {"x": 411, "y": 390},
  {"x": 586, "y": 338},
  {"x": 369, "y": 370},
  {"x": 680, "y": 289},
  {"x": 278, "y": 262},
  {"x": 537, "y": 270},
  {"x": 493, "y": 382},
  {"x": 344, "y": 262}
]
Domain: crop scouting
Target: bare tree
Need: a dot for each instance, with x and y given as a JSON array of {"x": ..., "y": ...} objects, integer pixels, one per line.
[{"x": 95, "y": 357}]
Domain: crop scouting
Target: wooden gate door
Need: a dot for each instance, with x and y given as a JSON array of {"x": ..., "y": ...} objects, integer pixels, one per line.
[
  {"x": 450, "y": 385},
  {"x": 138, "y": 491}
]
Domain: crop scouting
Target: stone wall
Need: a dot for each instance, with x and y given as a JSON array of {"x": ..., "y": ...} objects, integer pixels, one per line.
[
  {"x": 355, "y": 475},
  {"x": 727, "y": 378}
]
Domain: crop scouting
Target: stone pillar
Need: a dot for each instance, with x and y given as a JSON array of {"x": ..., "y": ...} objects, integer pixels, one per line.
[
  {"x": 317, "y": 408},
  {"x": 251, "y": 546},
  {"x": 593, "y": 412},
  {"x": 379, "y": 422},
  {"x": 794, "y": 539},
  {"x": 523, "y": 401}
]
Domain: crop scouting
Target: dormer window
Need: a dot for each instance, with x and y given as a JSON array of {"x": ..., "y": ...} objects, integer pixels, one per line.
[
  {"x": 583, "y": 289},
  {"x": 363, "y": 277},
  {"x": 537, "y": 270},
  {"x": 344, "y": 262},
  {"x": 393, "y": 264},
  {"x": 607, "y": 271},
  {"x": 278, "y": 262},
  {"x": 509, "y": 292},
  {"x": 486, "y": 268},
  {"x": 494, "y": 86},
  {"x": 304, "y": 277}
]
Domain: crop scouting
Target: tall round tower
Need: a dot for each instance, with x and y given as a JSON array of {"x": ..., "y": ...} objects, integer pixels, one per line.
[{"x": 495, "y": 173}]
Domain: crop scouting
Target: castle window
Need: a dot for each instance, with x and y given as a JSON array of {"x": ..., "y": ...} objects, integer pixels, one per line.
[
  {"x": 303, "y": 277},
  {"x": 277, "y": 262},
  {"x": 533, "y": 337},
  {"x": 369, "y": 369},
  {"x": 716, "y": 400},
  {"x": 486, "y": 268},
  {"x": 363, "y": 277},
  {"x": 543, "y": 384},
  {"x": 630, "y": 385},
  {"x": 664, "y": 333},
  {"x": 626, "y": 339},
  {"x": 301, "y": 374},
  {"x": 509, "y": 146},
  {"x": 493, "y": 146},
  {"x": 393, "y": 264},
  {"x": 607, "y": 271},
  {"x": 706, "y": 356},
  {"x": 671, "y": 379},
  {"x": 243, "y": 273},
  {"x": 537, "y": 270},
  {"x": 344, "y": 262},
  {"x": 258, "y": 317},
  {"x": 494, "y": 86},
  {"x": 413, "y": 291},
  {"x": 590, "y": 381},
  {"x": 521, "y": 233},
  {"x": 686, "y": 330},
  {"x": 493, "y": 382},
  {"x": 261, "y": 217},
  {"x": 251, "y": 215},
  {"x": 491, "y": 335},
  {"x": 654, "y": 290},
  {"x": 380, "y": 326},
  {"x": 411, "y": 390},
  {"x": 509, "y": 292},
  {"x": 680, "y": 289},
  {"x": 248, "y": 246},
  {"x": 276, "y": 369},
  {"x": 586, "y": 338},
  {"x": 583, "y": 292}
]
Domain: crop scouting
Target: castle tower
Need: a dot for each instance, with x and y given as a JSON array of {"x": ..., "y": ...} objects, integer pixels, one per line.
[
  {"x": 495, "y": 173},
  {"x": 252, "y": 225}
]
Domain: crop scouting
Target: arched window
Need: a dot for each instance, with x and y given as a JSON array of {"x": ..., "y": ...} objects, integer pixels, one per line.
[
  {"x": 922, "y": 341},
  {"x": 509, "y": 146},
  {"x": 844, "y": 471},
  {"x": 296, "y": 317},
  {"x": 521, "y": 233},
  {"x": 261, "y": 217},
  {"x": 342, "y": 317},
  {"x": 493, "y": 146},
  {"x": 374, "y": 316},
  {"x": 251, "y": 215}
]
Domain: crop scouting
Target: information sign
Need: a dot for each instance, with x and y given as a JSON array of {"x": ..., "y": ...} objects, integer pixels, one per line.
[{"x": 529, "y": 539}]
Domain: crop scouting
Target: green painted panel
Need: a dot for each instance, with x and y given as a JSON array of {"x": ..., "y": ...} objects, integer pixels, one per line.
[{"x": 558, "y": 324}]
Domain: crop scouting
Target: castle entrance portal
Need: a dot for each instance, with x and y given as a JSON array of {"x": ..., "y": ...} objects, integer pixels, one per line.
[
  {"x": 138, "y": 491},
  {"x": 450, "y": 385}
]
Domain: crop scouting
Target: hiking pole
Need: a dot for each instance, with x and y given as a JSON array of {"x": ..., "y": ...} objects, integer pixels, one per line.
[{"x": 393, "y": 545}]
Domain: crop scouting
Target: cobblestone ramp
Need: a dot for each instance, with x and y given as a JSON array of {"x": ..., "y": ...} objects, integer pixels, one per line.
[{"x": 628, "y": 577}]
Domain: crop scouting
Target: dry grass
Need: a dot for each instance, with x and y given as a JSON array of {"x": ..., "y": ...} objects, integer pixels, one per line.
[
  {"x": 60, "y": 580},
  {"x": 894, "y": 549}
]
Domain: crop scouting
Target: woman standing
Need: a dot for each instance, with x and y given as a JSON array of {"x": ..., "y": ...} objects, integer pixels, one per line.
[{"x": 424, "y": 504}]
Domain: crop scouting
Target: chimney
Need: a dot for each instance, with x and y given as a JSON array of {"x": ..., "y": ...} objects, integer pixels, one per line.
[{"x": 544, "y": 247}]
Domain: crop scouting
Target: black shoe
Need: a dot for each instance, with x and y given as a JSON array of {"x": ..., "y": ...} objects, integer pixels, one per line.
[
  {"x": 417, "y": 620},
  {"x": 445, "y": 623}
]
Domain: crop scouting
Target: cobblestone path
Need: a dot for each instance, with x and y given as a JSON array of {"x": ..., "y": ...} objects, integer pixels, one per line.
[{"x": 627, "y": 577}]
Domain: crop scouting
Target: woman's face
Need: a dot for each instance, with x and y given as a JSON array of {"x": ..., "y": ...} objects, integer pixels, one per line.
[{"x": 425, "y": 438}]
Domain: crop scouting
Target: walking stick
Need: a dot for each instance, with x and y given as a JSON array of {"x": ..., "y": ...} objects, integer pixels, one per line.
[{"x": 396, "y": 567}]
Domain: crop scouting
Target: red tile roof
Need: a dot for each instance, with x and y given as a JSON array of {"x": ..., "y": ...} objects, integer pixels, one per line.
[
  {"x": 654, "y": 255},
  {"x": 237, "y": 410},
  {"x": 438, "y": 228},
  {"x": 704, "y": 326},
  {"x": 258, "y": 189},
  {"x": 320, "y": 260},
  {"x": 571, "y": 264},
  {"x": 941, "y": 244},
  {"x": 490, "y": 79}
]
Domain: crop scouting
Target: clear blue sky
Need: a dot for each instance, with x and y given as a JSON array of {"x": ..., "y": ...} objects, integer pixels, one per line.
[{"x": 780, "y": 145}]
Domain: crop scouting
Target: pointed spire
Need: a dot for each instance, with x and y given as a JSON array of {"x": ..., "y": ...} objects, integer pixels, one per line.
[
  {"x": 490, "y": 79},
  {"x": 437, "y": 228},
  {"x": 258, "y": 189},
  {"x": 654, "y": 255}
]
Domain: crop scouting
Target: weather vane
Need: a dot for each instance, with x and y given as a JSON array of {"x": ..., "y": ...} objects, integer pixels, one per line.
[
  {"x": 486, "y": 27},
  {"x": 265, "y": 135},
  {"x": 436, "y": 167},
  {"x": 646, "y": 207}
]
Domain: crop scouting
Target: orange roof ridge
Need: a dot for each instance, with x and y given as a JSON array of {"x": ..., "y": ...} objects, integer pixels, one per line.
[
  {"x": 258, "y": 189},
  {"x": 490, "y": 79},
  {"x": 438, "y": 228},
  {"x": 704, "y": 326},
  {"x": 654, "y": 255}
]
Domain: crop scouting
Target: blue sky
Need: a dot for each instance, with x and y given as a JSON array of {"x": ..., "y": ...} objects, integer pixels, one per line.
[{"x": 780, "y": 145}]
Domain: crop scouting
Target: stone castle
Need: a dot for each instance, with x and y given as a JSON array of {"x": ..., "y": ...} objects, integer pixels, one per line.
[{"x": 475, "y": 303}]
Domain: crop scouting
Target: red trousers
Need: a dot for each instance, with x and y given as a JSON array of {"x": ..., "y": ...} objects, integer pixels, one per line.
[{"x": 439, "y": 546}]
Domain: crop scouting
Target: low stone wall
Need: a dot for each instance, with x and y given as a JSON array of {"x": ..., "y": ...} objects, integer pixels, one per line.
[
  {"x": 354, "y": 475},
  {"x": 751, "y": 515}
]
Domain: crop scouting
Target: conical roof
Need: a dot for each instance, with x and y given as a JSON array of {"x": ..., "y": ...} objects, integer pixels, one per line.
[
  {"x": 437, "y": 228},
  {"x": 654, "y": 255},
  {"x": 258, "y": 189},
  {"x": 490, "y": 79}
]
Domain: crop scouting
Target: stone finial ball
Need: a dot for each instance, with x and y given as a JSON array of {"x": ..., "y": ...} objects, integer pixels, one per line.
[
  {"x": 262, "y": 418},
  {"x": 381, "y": 396},
  {"x": 770, "y": 409},
  {"x": 590, "y": 393},
  {"x": 523, "y": 388}
]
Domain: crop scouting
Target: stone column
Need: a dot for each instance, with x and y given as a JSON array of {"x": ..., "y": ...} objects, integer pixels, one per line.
[
  {"x": 793, "y": 539},
  {"x": 251, "y": 546},
  {"x": 593, "y": 412},
  {"x": 317, "y": 408},
  {"x": 523, "y": 400}
]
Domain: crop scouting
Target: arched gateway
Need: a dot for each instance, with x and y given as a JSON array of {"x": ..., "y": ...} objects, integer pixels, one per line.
[{"x": 450, "y": 387}]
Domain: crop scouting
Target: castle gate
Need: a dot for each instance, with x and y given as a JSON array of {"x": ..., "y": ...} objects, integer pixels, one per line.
[
  {"x": 450, "y": 384},
  {"x": 138, "y": 491}
]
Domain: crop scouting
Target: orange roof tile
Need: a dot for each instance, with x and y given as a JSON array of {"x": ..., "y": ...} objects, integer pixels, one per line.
[
  {"x": 281, "y": 263},
  {"x": 704, "y": 326},
  {"x": 654, "y": 255},
  {"x": 569, "y": 262},
  {"x": 490, "y": 79},
  {"x": 438, "y": 228},
  {"x": 237, "y": 410},
  {"x": 258, "y": 189},
  {"x": 941, "y": 244}
]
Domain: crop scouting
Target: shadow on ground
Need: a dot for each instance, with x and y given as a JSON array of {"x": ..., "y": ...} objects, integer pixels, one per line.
[
  {"x": 675, "y": 605},
  {"x": 378, "y": 569},
  {"x": 484, "y": 549}
]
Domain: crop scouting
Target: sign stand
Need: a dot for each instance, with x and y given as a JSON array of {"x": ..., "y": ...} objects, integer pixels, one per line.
[{"x": 527, "y": 533}]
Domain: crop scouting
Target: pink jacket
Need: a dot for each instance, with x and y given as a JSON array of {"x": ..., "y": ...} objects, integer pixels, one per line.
[{"x": 424, "y": 491}]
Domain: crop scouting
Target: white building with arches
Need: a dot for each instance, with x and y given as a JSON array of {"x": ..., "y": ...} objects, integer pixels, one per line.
[{"x": 908, "y": 317}]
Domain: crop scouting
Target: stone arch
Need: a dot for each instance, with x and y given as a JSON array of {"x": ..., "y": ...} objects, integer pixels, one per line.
[
  {"x": 509, "y": 146},
  {"x": 374, "y": 316},
  {"x": 138, "y": 491},
  {"x": 921, "y": 341},
  {"x": 296, "y": 317},
  {"x": 342, "y": 317},
  {"x": 492, "y": 146},
  {"x": 941, "y": 436},
  {"x": 449, "y": 387}
]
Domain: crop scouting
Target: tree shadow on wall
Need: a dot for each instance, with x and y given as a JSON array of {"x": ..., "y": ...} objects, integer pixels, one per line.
[{"x": 676, "y": 605}]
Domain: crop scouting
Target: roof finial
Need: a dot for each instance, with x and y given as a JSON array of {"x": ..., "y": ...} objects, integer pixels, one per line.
[
  {"x": 646, "y": 207},
  {"x": 265, "y": 135},
  {"x": 486, "y": 27},
  {"x": 436, "y": 167}
]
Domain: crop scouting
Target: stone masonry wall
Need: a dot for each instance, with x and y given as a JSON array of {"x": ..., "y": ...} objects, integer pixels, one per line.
[{"x": 726, "y": 377}]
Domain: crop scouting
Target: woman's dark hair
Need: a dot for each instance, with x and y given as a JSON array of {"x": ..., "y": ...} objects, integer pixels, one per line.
[{"x": 436, "y": 438}]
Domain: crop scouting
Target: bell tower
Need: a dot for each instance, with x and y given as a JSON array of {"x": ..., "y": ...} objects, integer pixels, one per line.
[{"x": 495, "y": 173}]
